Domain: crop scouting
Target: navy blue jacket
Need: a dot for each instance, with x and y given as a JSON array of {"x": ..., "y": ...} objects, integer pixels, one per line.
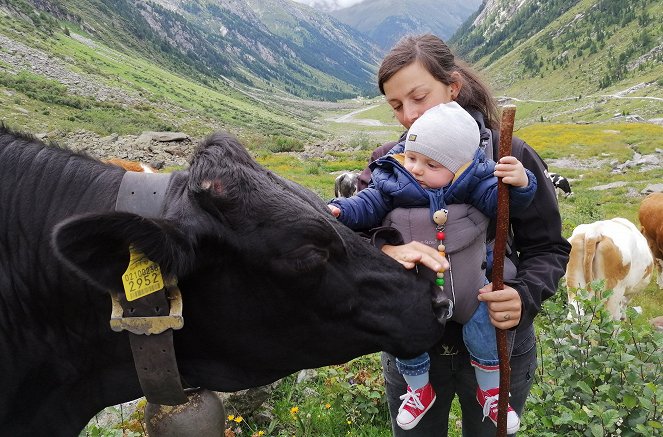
[{"x": 392, "y": 186}]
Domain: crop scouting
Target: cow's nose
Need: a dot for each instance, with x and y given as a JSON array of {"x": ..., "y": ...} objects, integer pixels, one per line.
[{"x": 442, "y": 307}]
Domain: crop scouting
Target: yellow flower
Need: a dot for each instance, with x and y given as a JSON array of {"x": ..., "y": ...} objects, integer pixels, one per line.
[
  {"x": 294, "y": 410},
  {"x": 261, "y": 433},
  {"x": 349, "y": 422},
  {"x": 238, "y": 419},
  {"x": 328, "y": 405},
  {"x": 231, "y": 417}
]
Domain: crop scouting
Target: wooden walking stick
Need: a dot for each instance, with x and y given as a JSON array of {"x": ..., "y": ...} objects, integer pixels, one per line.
[{"x": 501, "y": 234}]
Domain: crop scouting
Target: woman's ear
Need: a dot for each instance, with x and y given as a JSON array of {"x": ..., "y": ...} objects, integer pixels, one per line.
[{"x": 456, "y": 84}]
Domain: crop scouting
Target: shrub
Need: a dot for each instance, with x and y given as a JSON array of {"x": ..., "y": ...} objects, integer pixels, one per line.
[
  {"x": 284, "y": 144},
  {"x": 597, "y": 376},
  {"x": 313, "y": 168},
  {"x": 578, "y": 210},
  {"x": 362, "y": 141}
]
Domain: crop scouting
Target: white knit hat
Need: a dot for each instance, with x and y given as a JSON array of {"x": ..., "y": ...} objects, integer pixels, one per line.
[{"x": 445, "y": 133}]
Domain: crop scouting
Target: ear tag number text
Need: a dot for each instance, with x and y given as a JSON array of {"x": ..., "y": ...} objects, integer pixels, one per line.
[{"x": 142, "y": 276}]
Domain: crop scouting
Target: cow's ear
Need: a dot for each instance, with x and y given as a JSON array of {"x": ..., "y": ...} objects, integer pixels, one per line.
[{"x": 96, "y": 246}]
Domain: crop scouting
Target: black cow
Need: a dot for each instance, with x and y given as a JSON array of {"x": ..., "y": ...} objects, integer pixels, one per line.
[
  {"x": 561, "y": 183},
  {"x": 271, "y": 283}
]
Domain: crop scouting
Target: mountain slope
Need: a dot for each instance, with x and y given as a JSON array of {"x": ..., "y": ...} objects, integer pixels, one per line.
[
  {"x": 386, "y": 21},
  {"x": 286, "y": 42},
  {"x": 56, "y": 77},
  {"x": 210, "y": 38},
  {"x": 582, "y": 59}
]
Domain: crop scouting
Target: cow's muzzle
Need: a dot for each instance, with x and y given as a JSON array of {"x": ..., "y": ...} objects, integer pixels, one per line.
[{"x": 443, "y": 307}]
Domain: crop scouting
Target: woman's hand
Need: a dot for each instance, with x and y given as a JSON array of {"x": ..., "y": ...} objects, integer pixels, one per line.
[
  {"x": 504, "y": 306},
  {"x": 413, "y": 253}
]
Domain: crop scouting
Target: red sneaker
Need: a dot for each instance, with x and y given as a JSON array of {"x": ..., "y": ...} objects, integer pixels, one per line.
[
  {"x": 488, "y": 401},
  {"x": 414, "y": 406}
]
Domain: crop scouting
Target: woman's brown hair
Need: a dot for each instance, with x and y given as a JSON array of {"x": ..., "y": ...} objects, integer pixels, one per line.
[{"x": 436, "y": 57}]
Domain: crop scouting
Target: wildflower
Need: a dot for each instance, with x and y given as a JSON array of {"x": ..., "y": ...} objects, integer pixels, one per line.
[
  {"x": 261, "y": 433},
  {"x": 238, "y": 419},
  {"x": 294, "y": 410},
  {"x": 231, "y": 417},
  {"x": 328, "y": 405}
]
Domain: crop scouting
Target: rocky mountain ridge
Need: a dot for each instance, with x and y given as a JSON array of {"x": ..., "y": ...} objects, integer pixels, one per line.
[{"x": 386, "y": 21}]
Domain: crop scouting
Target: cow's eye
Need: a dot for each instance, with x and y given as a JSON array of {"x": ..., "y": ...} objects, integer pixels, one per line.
[{"x": 303, "y": 259}]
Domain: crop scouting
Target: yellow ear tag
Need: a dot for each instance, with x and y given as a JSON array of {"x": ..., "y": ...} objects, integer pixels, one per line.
[{"x": 142, "y": 277}]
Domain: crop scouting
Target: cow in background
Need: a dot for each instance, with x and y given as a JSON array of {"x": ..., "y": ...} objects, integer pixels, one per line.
[
  {"x": 346, "y": 184},
  {"x": 270, "y": 282},
  {"x": 650, "y": 215},
  {"x": 561, "y": 184},
  {"x": 132, "y": 165},
  {"x": 610, "y": 250}
]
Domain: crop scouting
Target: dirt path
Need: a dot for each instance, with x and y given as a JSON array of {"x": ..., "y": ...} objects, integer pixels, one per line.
[
  {"x": 617, "y": 95},
  {"x": 350, "y": 118}
]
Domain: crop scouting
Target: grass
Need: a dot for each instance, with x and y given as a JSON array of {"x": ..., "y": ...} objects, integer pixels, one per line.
[{"x": 587, "y": 141}]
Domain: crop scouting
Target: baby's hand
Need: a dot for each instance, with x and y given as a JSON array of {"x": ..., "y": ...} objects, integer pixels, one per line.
[
  {"x": 334, "y": 210},
  {"x": 511, "y": 171}
]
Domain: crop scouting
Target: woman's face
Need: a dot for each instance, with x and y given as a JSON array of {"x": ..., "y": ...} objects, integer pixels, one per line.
[{"x": 413, "y": 90}]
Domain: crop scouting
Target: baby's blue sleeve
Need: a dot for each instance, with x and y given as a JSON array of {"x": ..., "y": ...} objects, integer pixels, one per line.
[
  {"x": 483, "y": 194},
  {"x": 521, "y": 197},
  {"x": 364, "y": 210}
]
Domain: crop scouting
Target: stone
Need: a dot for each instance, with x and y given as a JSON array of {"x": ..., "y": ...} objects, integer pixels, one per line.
[{"x": 652, "y": 188}]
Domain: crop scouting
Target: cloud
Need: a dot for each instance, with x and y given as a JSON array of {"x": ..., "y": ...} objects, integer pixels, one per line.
[{"x": 329, "y": 5}]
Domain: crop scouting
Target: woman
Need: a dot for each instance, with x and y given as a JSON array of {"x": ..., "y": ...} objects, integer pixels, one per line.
[{"x": 418, "y": 73}]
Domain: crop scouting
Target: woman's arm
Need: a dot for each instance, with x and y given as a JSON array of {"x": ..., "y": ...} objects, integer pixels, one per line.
[{"x": 365, "y": 176}]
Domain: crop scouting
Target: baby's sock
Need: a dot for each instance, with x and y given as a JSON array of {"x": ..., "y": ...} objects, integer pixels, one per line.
[
  {"x": 487, "y": 380},
  {"x": 416, "y": 381}
]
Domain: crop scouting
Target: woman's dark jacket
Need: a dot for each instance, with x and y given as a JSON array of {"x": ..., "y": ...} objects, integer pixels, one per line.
[
  {"x": 392, "y": 186},
  {"x": 537, "y": 247}
]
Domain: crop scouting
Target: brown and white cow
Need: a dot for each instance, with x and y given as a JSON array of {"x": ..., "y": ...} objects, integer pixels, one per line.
[
  {"x": 610, "y": 250},
  {"x": 651, "y": 221},
  {"x": 132, "y": 165}
]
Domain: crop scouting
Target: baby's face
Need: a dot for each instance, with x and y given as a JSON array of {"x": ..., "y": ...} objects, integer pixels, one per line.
[{"x": 429, "y": 173}]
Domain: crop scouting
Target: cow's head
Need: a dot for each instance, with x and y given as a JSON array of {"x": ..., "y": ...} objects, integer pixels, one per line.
[{"x": 271, "y": 282}]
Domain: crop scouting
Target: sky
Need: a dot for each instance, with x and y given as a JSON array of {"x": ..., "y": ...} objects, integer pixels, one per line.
[{"x": 329, "y": 4}]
